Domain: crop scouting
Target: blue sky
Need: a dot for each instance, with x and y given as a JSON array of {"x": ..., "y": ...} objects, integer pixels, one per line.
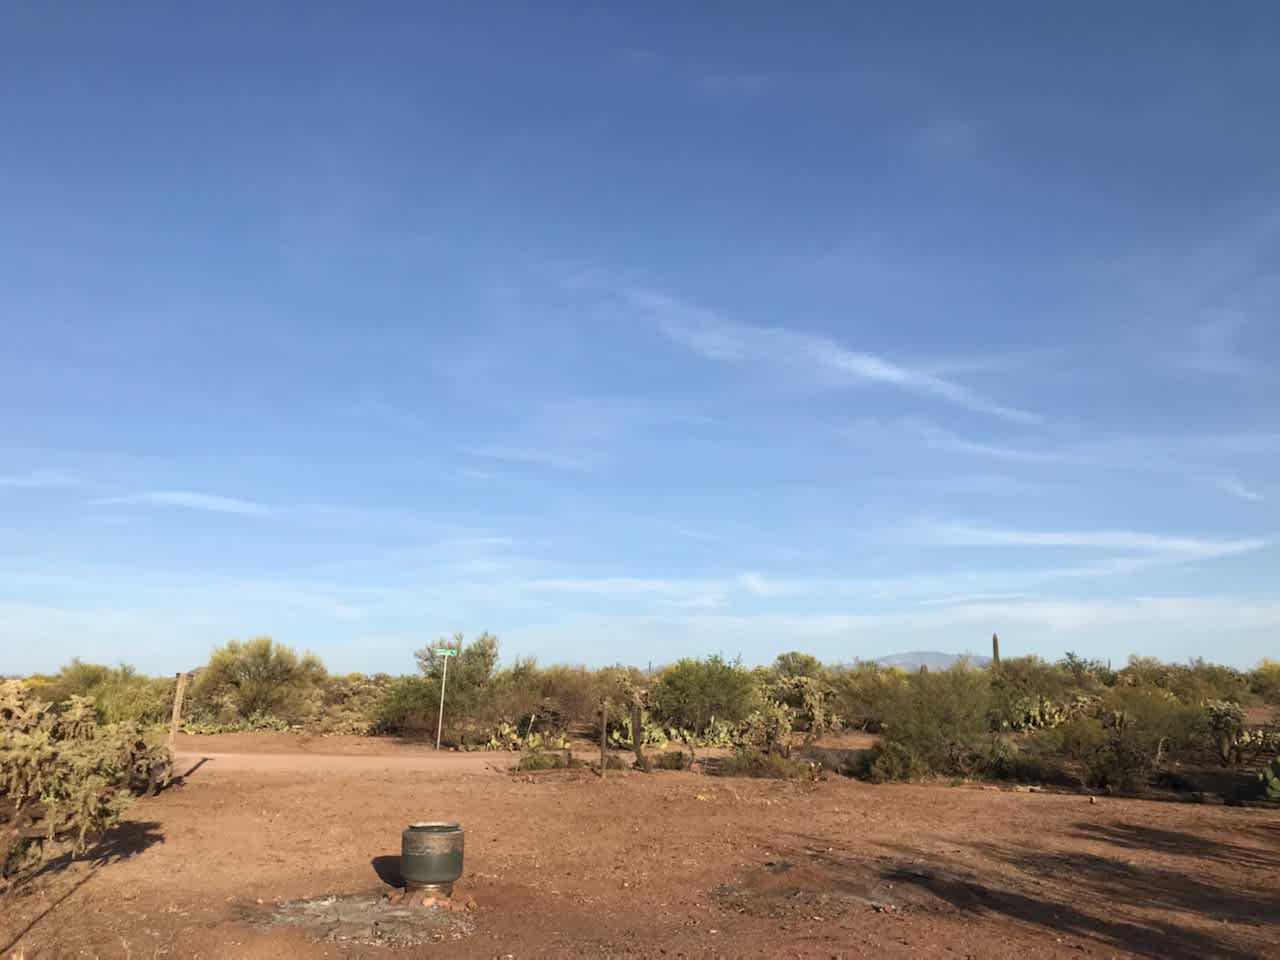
[{"x": 633, "y": 333}]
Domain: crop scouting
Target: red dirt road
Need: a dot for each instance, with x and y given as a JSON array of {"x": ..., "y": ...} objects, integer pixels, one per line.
[{"x": 670, "y": 864}]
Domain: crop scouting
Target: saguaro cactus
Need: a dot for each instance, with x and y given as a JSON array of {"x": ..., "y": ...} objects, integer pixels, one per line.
[{"x": 995, "y": 650}]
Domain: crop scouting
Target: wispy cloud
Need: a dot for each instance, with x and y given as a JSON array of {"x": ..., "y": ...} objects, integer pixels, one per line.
[
  {"x": 1191, "y": 547},
  {"x": 1235, "y": 488},
  {"x": 38, "y": 480},
  {"x": 712, "y": 336},
  {"x": 528, "y": 455},
  {"x": 189, "y": 500},
  {"x": 938, "y": 439}
]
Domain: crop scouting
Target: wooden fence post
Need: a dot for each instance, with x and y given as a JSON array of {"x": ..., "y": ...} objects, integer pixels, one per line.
[
  {"x": 604, "y": 736},
  {"x": 179, "y": 692}
]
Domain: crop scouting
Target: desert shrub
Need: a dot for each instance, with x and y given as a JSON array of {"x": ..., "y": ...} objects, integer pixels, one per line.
[
  {"x": 548, "y": 699},
  {"x": 1082, "y": 742},
  {"x": 547, "y": 760},
  {"x": 691, "y": 693},
  {"x": 672, "y": 760},
  {"x": 118, "y": 693},
  {"x": 64, "y": 775},
  {"x": 1129, "y": 735},
  {"x": 569, "y": 694},
  {"x": 348, "y": 703},
  {"x": 941, "y": 716},
  {"x": 542, "y": 759},
  {"x": 484, "y": 707},
  {"x": 1028, "y": 693},
  {"x": 408, "y": 707},
  {"x": 1029, "y": 760},
  {"x": 1264, "y": 681},
  {"x": 748, "y": 762},
  {"x": 1087, "y": 676},
  {"x": 861, "y": 694},
  {"x": 1192, "y": 683},
  {"x": 796, "y": 664},
  {"x": 892, "y": 760},
  {"x": 257, "y": 678},
  {"x": 1145, "y": 728}
]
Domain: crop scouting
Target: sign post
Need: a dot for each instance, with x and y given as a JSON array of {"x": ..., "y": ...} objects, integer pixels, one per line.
[{"x": 445, "y": 653}]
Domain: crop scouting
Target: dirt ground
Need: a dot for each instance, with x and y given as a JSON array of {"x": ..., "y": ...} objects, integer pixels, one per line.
[{"x": 265, "y": 829}]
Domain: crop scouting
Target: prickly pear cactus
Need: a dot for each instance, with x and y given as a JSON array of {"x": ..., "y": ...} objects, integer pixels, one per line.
[{"x": 1269, "y": 779}]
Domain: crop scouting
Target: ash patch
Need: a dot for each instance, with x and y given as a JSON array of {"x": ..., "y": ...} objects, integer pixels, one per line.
[
  {"x": 818, "y": 885},
  {"x": 365, "y": 919}
]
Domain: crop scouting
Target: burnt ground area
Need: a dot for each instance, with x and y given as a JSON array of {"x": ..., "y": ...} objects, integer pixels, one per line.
[{"x": 273, "y": 854}]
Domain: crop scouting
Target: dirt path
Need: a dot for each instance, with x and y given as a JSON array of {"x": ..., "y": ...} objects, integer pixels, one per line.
[
  {"x": 443, "y": 762},
  {"x": 670, "y": 864}
]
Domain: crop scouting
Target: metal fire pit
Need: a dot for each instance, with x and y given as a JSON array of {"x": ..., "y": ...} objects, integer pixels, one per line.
[{"x": 431, "y": 857}]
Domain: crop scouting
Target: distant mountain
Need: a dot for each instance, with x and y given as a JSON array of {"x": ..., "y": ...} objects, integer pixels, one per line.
[{"x": 932, "y": 659}]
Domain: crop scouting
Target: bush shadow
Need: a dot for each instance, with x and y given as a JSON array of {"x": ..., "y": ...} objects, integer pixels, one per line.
[
  {"x": 125, "y": 840},
  {"x": 117, "y": 844},
  {"x": 1156, "y": 939},
  {"x": 1131, "y": 836}
]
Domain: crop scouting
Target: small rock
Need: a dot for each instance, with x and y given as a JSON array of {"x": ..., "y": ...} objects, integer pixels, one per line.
[{"x": 1093, "y": 799}]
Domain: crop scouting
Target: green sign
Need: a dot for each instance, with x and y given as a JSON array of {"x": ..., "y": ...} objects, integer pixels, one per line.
[{"x": 447, "y": 652}]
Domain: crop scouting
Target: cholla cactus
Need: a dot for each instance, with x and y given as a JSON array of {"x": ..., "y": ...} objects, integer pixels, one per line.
[
  {"x": 63, "y": 775},
  {"x": 1225, "y": 721},
  {"x": 769, "y": 728}
]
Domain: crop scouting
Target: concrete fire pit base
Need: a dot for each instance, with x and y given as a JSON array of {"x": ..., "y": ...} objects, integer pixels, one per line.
[{"x": 371, "y": 919}]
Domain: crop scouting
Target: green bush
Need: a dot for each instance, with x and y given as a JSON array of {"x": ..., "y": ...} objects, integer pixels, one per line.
[
  {"x": 861, "y": 694},
  {"x": 692, "y": 693},
  {"x": 64, "y": 776},
  {"x": 796, "y": 664},
  {"x": 892, "y": 760},
  {"x": 408, "y": 707},
  {"x": 1191, "y": 683},
  {"x": 544, "y": 760},
  {"x": 258, "y": 678},
  {"x": 753, "y": 763},
  {"x": 1087, "y": 676},
  {"x": 672, "y": 760},
  {"x": 348, "y": 703},
  {"x": 486, "y": 708},
  {"x": 942, "y": 718},
  {"x": 118, "y": 693},
  {"x": 1128, "y": 735},
  {"x": 1083, "y": 744},
  {"x": 1028, "y": 693},
  {"x": 1264, "y": 681}
]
